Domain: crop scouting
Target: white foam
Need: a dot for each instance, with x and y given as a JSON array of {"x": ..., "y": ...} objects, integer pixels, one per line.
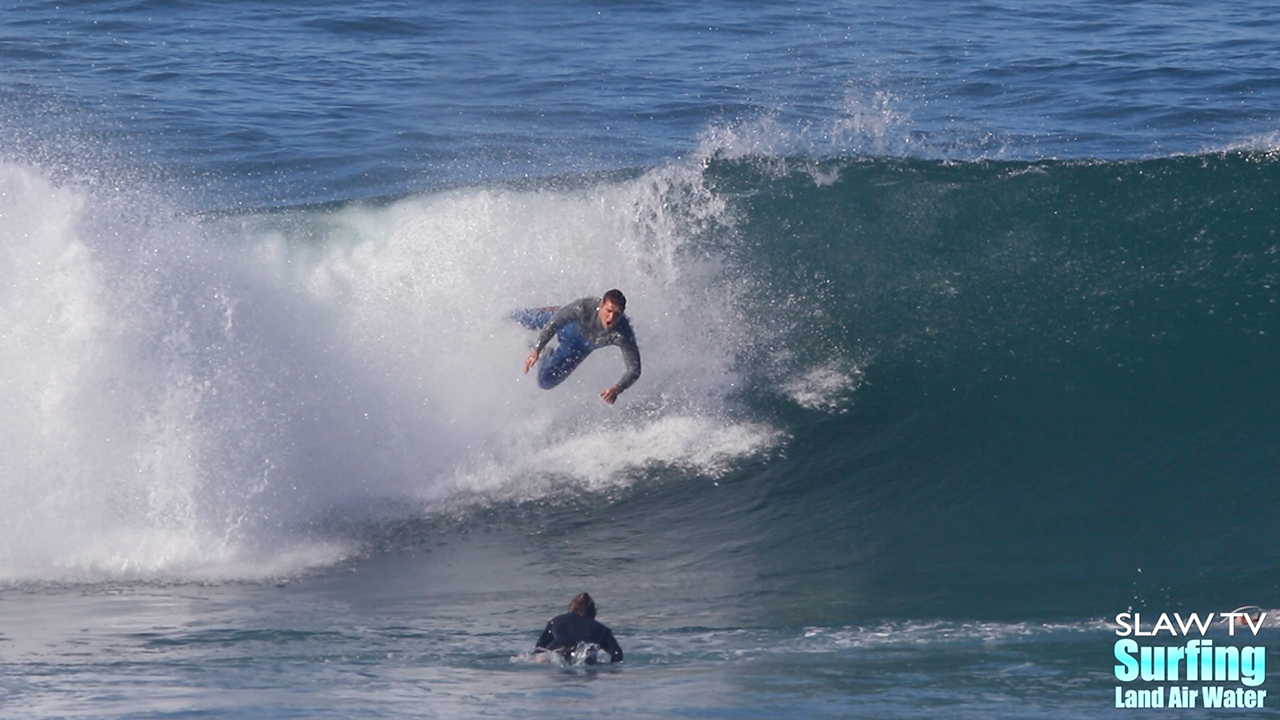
[
  {"x": 183, "y": 399},
  {"x": 610, "y": 457},
  {"x": 870, "y": 123},
  {"x": 421, "y": 292},
  {"x": 826, "y": 387},
  {"x": 133, "y": 432},
  {"x": 1266, "y": 143}
]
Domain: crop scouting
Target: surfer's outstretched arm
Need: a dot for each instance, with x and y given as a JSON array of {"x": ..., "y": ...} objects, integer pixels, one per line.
[
  {"x": 631, "y": 356},
  {"x": 529, "y": 361}
]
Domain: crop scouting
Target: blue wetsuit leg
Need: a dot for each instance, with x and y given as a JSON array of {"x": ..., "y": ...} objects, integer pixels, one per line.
[
  {"x": 534, "y": 318},
  {"x": 572, "y": 350}
]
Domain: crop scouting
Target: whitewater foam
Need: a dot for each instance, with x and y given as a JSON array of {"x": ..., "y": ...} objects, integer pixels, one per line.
[
  {"x": 188, "y": 397},
  {"x": 825, "y": 387}
]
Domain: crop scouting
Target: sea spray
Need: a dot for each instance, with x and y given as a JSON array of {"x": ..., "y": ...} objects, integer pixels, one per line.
[
  {"x": 422, "y": 288},
  {"x": 195, "y": 397}
]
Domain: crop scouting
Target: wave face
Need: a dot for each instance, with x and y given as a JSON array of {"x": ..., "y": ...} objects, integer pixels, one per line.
[
  {"x": 1015, "y": 388},
  {"x": 987, "y": 387}
]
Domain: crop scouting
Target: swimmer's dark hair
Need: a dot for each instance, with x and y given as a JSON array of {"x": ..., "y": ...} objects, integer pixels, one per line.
[
  {"x": 583, "y": 605},
  {"x": 616, "y": 297}
]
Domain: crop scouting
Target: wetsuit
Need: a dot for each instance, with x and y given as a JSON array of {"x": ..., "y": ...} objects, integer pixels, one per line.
[
  {"x": 566, "y": 632},
  {"x": 578, "y": 329}
]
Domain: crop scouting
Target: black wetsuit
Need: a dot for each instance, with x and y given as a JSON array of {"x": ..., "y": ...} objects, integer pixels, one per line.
[{"x": 566, "y": 632}]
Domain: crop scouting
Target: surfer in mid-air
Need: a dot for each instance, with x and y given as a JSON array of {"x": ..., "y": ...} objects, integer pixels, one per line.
[
  {"x": 580, "y": 327},
  {"x": 578, "y": 632}
]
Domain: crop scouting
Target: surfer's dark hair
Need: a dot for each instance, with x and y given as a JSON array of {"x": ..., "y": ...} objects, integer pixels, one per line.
[
  {"x": 616, "y": 297},
  {"x": 583, "y": 605}
]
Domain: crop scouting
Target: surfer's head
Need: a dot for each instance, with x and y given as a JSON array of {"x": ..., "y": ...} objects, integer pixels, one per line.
[
  {"x": 583, "y": 605},
  {"x": 616, "y": 297},
  {"x": 611, "y": 307}
]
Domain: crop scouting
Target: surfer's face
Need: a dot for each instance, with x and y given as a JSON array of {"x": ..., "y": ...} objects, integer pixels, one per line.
[{"x": 609, "y": 313}]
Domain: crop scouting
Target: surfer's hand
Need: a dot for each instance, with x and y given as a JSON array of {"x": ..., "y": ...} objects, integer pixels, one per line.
[
  {"x": 529, "y": 361},
  {"x": 610, "y": 394}
]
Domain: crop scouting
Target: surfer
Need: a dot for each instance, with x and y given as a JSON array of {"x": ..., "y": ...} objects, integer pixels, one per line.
[
  {"x": 577, "y": 628},
  {"x": 580, "y": 327}
]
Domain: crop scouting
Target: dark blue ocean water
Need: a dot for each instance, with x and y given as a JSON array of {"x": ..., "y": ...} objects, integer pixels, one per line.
[{"x": 959, "y": 324}]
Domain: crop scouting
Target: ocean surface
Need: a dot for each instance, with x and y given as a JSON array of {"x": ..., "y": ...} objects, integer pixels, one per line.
[{"x": 959, "y": 321}]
